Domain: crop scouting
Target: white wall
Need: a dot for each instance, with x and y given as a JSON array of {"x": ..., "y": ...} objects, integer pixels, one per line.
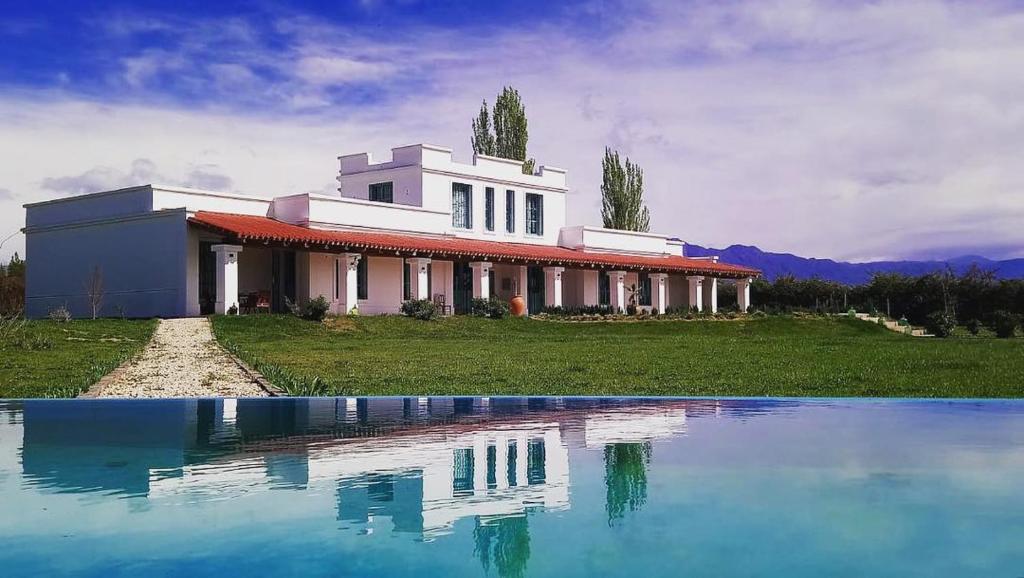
[
  {"x": 143, "y": 260},
  {"x": 384, "y": 286},
  {"x": 614, "y": 240}
]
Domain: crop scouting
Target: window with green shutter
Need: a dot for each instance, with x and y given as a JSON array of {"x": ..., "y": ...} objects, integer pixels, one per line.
[
  {"x": 382, "y": 192},
  {"x": 462, "y": 206}
]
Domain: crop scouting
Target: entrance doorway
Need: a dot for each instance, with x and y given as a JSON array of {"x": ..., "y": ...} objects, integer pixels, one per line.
[
  {"x": 283, "y": 283},
  {"x": 207, "y": 278},
  {"x": 462, "y": 287},
  {"x": 535, "y": 289}
]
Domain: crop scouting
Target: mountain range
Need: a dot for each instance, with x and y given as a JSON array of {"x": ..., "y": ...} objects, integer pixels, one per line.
[{"x": 777, "y": 264}]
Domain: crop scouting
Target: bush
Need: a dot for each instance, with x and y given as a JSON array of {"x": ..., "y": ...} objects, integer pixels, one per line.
[
  {"x": 423, "y": 309},
  {"x": 973, "y": 326},
  {"x": 580, "y": 310},
  {"x": 940, "y": 323},
  {"x": 1004, "y": 324},
  {"x": 492, "y": 308},
  {"x": 313, "y": 310},
  {"x": 60, "y": 314},
  {"x": 233, "y": 310},
  {"x": 316, "y": 309}
]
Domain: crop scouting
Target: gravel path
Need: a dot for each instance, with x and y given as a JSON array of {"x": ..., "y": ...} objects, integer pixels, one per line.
[{"x": 182, "y": 360}]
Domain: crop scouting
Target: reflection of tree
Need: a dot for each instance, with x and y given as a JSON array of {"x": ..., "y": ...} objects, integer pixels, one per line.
[
  {"x": 625, "y": 477},
  {"x": 506, "y": 542}
]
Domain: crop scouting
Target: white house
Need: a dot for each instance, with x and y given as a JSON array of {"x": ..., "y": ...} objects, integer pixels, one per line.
[{"x": 419, "y": 225}]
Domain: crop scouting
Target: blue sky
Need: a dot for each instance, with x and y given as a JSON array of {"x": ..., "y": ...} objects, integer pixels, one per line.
[{"x": 834, "y": 129}]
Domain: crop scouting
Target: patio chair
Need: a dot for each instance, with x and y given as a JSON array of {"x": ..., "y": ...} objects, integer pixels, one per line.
[
  {"x": 263, "y": 302},
  {"x": 440, "y": 302}
]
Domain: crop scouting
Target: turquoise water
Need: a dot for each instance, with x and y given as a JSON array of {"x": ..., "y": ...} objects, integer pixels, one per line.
[{"x": 511, "y": 487}]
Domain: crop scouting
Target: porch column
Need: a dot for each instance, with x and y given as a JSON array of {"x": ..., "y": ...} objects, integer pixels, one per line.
[
  {"x": 743, "y": 294},
  {"x": 418, "y": 281},
  {"x": 351, "y": 261},
  {"x": 553, "y": 286},
  {"x": 617, "y": 290},
  {"x": 591, "y": 287},
  {"x": 711, "y": 293},
  {"x": 696, "y": 298},
  {"x": 659, "y": 292},
  {"x": 522, "y": 275},
  {"x": 227, "y": 277},
  {"x": 481, "y": 279}
]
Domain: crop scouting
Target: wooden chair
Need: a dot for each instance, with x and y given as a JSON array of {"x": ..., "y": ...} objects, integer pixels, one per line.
[{"x": 440, "y": 302}]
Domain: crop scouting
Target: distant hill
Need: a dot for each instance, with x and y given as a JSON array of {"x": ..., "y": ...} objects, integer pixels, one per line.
[{"x": 776, "y": 264}]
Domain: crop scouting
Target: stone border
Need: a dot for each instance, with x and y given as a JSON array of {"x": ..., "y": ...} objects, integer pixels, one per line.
[
  {"x": 96, "y": 390},
  {"x": 256, "y": 377}
]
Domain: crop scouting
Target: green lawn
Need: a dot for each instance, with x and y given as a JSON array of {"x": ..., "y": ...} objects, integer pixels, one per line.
[
  {"x": 50, "y": 359},
  {"x": 776, "y": 356}
]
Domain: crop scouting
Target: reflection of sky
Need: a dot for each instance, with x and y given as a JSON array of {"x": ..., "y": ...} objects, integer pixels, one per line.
[{"x": 381, "y": 487}]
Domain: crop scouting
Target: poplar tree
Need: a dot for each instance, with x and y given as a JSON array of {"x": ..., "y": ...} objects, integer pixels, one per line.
[
  {"x": 622, "y": 195},
  {"x": 510, "y": 133},
  {"x": 483, "y": 138}
]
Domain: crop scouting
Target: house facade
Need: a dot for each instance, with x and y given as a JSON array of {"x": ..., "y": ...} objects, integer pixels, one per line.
[{"x": 417, "y": 226}]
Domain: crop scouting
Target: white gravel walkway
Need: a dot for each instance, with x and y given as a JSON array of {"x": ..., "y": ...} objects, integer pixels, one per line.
[{"x": 182, "y": 360}]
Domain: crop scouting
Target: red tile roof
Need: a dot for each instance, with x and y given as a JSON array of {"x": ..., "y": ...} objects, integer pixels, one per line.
[{"x": 252, "y": 228}]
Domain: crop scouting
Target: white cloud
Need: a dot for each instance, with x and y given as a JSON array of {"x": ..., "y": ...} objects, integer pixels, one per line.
[{"x": 826, "y": 129}]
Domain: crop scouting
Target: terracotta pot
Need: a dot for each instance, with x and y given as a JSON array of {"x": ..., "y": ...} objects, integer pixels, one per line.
[{"x": 517, "y": 306}]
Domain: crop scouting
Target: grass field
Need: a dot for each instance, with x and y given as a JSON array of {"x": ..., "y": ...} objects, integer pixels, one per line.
[
  {"x": 775, "y": 356},
  {"x": 50, "y": 359}
]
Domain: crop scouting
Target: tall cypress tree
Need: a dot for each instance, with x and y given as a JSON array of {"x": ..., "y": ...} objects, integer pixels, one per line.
[
  {"x": 622, "y": 194},
  {"x": 511, "y": 131}
]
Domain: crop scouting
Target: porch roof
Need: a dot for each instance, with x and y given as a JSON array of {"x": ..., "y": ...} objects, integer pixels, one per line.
[{"x": 246, "y": 228}]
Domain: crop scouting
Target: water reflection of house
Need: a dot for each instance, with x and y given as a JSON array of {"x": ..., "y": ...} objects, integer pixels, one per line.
[{"x": 413, "y": 465}]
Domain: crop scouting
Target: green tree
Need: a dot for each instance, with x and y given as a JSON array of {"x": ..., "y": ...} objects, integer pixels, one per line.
[
  {"x": 625, "y": 478},
  {"x": 622, "y": 194},
  {"x": 506, "y": 542},
  {"x": 510, "y": 129},
  {"x": 483, "y": 138}
]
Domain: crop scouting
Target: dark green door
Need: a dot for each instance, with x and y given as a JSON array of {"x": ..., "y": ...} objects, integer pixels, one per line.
[
  {"x": 462, "y": 286},
  {"x": 535, "y": 290},
  {"x": 207, "y": 278}
]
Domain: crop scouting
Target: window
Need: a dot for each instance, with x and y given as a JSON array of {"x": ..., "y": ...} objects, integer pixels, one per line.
[
  {"x": 489, "y": 208},
  {"x": 337, "y": 279},
  {"x": 462, "y": 206},
  {"x": 362, "y": 278},
  {"x": 462, "y": 472},
  {"x": 534, "y": 214},
  {"x": 510, "y": 211},
  {"x": 382, "y": 192},
  {"x": 645, "y": 290},
  {"x": 604, "y": 289}
]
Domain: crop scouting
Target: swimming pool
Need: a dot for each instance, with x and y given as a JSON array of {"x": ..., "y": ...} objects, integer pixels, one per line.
[{"x": 511, "y": 487}]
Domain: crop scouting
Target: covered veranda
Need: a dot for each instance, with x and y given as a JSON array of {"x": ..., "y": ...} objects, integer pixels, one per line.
[{"x": 373, "y": 272}]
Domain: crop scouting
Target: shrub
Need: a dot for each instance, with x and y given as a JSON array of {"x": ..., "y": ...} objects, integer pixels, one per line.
[
  {"x": 60, "y": 314},
  {"x": 1004, "y": 323},
  {"x": 973, "y": 326},
  {"x": 492, "y": 308},
  {"x": 419, "y": 309},
  {"x": 759, "y": 314},
  {"x": 316, "y": 309},
  {"x": 580, "y": 310},
  {"x": 233, "y": 310},
  {"x": 940, "y": 323}
]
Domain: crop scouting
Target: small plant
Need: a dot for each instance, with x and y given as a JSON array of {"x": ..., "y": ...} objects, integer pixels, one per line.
[
  {"x": 940, "y": 324},
  {"x": 423, "y": 309},
  {"x": 851, "y": 313},
  {"x": 759, "y": 314},
  {"x": 1004, "y": 324},
  {"x": 233, "y": 310},
  {"x": 60, "y": 314}
]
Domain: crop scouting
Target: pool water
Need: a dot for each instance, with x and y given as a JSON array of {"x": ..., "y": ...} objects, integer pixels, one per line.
[{"x": 511, "y": 487}]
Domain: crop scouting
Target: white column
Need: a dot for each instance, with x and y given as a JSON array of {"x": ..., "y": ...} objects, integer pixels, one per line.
[
  {"x": 659, "y": 292},
  {"x": 227, "y": 277},
  {"x": 591, "y": 287},
  {"x": 553, "y": 286},
  {"x": 418, "y": 282},
  {"x": 711, "y": 294},
  {"x": 743, "y": 294},
  {"x": 696, "y": 299},
  {"x": 481, "y": 279},
  {"x": 522, "y": 276},
  {"x": 617, "y": 290},
  {"x": 351, "y": 263}
]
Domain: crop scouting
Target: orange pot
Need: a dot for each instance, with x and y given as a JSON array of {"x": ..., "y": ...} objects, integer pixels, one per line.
[{"x": 517, "y": 306}]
